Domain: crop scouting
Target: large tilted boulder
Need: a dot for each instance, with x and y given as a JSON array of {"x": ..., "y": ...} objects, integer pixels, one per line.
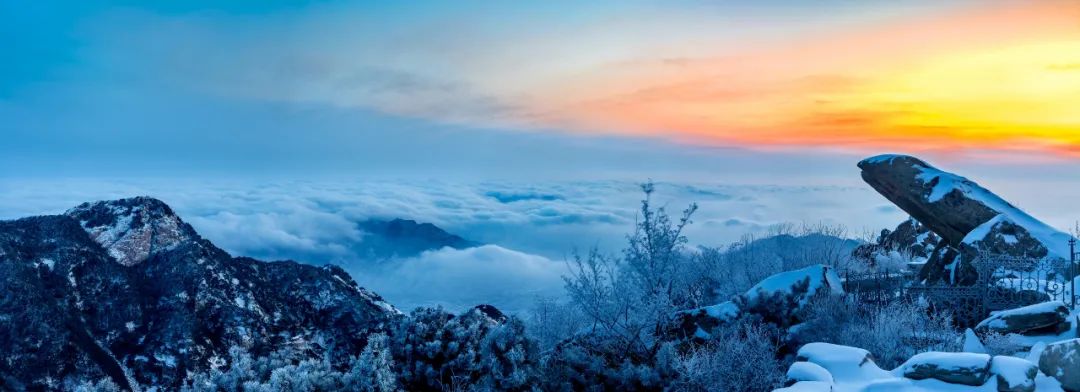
[
  {"x": 1046, "y": 317},
  {"x": 954, "y": 368},
  {"x": 1061, "y": 360},
  {"x": 968, "y": 218}
]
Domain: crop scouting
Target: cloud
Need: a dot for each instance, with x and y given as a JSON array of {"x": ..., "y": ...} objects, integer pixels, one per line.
[
  {"x": 528, "y": 239},
  {"x": 458, "y": 279},
  {"x": 315, "y": 221}
]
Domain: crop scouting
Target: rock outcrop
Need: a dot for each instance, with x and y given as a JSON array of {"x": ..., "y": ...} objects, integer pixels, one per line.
[
  {"x": 830, "y": 367},
  {"x": 954, "y": 368},
  {"x": 1061, "y": 360},
  {"x": 968, "y": 218},
  {"x": 776, "y": 299},
  {"x": 1014, "y": 374},
  {"x": 1047, "y": 317},
  {"x": 910, "y": 243},
  {"x": 126, "y": 289}
]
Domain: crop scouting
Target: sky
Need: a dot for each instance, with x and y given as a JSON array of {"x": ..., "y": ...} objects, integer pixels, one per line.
[
  {"x": 271, "y": 126},
  {"x": 447, "y": 88}
]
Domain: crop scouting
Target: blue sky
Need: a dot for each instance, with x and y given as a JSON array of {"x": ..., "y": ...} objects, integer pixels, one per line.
[
  {"x": 288, "y": 89},
  {"x": 272, "y": 126}
]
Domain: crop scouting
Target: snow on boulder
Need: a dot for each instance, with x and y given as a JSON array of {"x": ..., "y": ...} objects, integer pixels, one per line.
[
  {"x": 1048, "y": 317},
  {"x": 800, "y": 284},
  {"x": 910, "y": 243},
  {"x": 807, "y": 371},
  {"x": 954, "y": 368},
  {"x": 1061, "y": 360},
  {"x": 965, "y": 215},
  {"x": 1013, "y": 374},
  {"x": 779, "y": 297},
  {"x": 808, "y": 386},
  {"x": 972, "y": 344},
  {"x": 844, "y": 364},
  {"x": 776, "y": 299},
  {"x": 132, "y": 230},
  {"x": 699, "y": 323}
]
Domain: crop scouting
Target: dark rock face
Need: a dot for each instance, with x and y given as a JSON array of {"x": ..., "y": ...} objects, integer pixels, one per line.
[
  {"x": 126, "y": 289},
  {"x": 910, "y": 239},
  {"x": 954, "y": 368},
  {"x": 385, "y": 239},
  {"x": 905, "y": 181},
  {"x": 1047, "y": 317},
  {"x": 1061, "y": 360},
  {"x": 968, "y": 218}
]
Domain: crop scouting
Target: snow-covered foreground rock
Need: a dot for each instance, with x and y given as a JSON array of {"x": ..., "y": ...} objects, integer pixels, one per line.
[
  {"x": 777, "y": 299},
  {"x": 1062, "y": 361},
  {"x": 829, "y": 367},
  {"x": 1046, "y": 317}
]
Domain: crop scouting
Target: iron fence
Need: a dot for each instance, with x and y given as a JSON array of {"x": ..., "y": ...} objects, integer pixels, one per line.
[{"x": 1004, "y": 282}]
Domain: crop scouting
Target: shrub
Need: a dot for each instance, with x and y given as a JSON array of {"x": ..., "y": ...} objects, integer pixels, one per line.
[
  {"x": 739, "y": 357},
  {"x": 892, "y": 332}
]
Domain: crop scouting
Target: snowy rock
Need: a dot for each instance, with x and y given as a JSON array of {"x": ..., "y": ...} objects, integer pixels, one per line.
[
  {"x": 966, "y": 216},
  {"x": 1043, "y": 317},
  {"x": 808, "y": 386},
  {"x": 800, "y": 285},
  {"x": 910, "y": 242},
  {"x": 972, "y": 344},
  {"x": 1061, "y": 360},
  {"x": 1036, "y": 352},
  {"x": 807, "y": 371},
  {"x": 779, "y": 297},
  {"x": 845, "y": 364},
  {"x": 954, "y": 368},
  {"x": 1013, "y": 374},
  {"x": 700, "y": 322},
  {"x": 132, "y": 230},
  {"x": 776, "y": 299}
]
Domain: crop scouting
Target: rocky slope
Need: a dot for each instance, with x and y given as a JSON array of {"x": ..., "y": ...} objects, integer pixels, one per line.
[
  {"x": 967, "y": 217},
  {"x": 126, "y": 289},
  {"x": 911, "y": 243}
]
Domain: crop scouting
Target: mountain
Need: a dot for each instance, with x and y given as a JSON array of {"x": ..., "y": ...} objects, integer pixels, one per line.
[
  {"x": 967, "y": 217},
  {"x": 128, "y": 290},
  {"x": 400, "y": 238}
]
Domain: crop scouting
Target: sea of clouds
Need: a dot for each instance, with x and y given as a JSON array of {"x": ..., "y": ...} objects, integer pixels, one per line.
[{"x": 530, "y": 230}]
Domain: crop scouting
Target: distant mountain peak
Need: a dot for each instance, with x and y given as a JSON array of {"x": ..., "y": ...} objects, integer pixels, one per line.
[
  {"x": 385, "y": 239},
  {"x": 132, "y": 229}
]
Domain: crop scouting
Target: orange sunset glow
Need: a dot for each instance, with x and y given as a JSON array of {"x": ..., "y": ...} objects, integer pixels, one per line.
[{"x": 1000, "y": 78}]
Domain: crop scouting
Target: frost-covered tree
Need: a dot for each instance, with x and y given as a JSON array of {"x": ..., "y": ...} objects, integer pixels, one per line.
[
  {"x": 373, "y": 370},
  {"x": 480, "y": 349},
  {"x": 628, "y": 302},
  {"x": 552, "y": 320}
]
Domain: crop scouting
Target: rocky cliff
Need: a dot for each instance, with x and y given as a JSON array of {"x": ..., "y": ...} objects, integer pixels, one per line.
[{"x": 126, "y": 289}]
